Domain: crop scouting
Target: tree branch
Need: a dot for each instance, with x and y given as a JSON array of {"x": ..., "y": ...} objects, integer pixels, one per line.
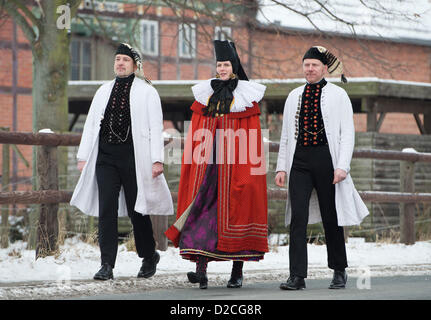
[
  {"x": 27, "y": 12},
  {"x": 11, "y": 7}
]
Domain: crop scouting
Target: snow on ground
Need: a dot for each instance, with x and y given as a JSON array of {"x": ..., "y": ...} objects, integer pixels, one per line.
[
  {"x": 78, "y": 260},
  {"x": 71, "y": 272}
]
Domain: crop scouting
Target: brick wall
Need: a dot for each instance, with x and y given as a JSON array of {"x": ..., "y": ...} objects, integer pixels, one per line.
[
  {"x": 280, "y": 56},
  {"x": 23, "y": 98},
  {"x": 273, "y": 55}
]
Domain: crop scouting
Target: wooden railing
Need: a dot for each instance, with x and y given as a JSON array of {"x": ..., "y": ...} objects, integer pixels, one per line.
[{"x": 49, "y": 196}]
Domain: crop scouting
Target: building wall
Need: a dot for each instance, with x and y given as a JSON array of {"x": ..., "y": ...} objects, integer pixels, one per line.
[
  {"x": 273, "y": 55},
  {"x": 280, "y": 56},
  {"x": 23, "y": 98}
]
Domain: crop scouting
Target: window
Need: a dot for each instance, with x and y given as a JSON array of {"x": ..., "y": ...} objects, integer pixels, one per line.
[
  {"x": 222, "y": 33},
  {"x": 81, "y": 60},
  {"x": 187, "y": 41},
  {"x": 150, "y": 37}
]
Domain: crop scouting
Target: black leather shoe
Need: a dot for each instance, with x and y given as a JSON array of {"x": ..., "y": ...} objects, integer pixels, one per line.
[
  {"x": 234, "y": 282},
  {"x": 293, "y": 283},
  {"x": 148, "y": 268},
  {"x": 105, "y": 273},
  {"x": 339, "y": 280},
  {"x": 198, "y": 277}
]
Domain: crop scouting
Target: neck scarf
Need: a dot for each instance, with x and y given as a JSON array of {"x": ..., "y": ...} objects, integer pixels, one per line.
[{"x": 222, "y": 99}]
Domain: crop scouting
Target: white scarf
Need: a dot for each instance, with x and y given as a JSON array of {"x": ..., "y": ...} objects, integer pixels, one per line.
[{"x": 244, "y": 94}]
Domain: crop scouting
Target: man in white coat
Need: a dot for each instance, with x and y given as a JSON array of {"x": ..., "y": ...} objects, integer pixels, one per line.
[
  {"x": 121, "y": 159},
  {"x": 316, "y": 148}
]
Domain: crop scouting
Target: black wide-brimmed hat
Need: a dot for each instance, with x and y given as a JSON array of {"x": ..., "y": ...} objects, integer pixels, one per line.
[
  {"x": 226, "y": 51},
  {"x": 335, "y": 66}
]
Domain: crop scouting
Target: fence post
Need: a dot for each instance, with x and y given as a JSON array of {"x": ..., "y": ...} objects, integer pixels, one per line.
[
  {"x": 47, "y": 227},
  {"x": 407, "y": 210},
  {"x": 5, "y": 187}
]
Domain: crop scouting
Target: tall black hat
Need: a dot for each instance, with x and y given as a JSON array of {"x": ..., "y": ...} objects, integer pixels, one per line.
[
  {"x": 226, "y": 51},
  {"x": 335, "y": 66}
]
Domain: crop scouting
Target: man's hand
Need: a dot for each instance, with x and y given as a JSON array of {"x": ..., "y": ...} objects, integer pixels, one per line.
[
  {"x": 280, "y": 178},
  {"x": 339, "y": 175},
  {"x": 157, "y": 169},
  {"x": 81, "y": 165}
]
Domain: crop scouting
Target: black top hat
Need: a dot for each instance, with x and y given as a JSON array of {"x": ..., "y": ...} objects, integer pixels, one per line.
[{"x": 226, "y": 51}]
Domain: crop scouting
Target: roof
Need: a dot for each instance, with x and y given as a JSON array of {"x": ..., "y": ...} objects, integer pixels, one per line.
[
  {"x": 397, "y": 20},
  {"x": 176, "y": 90}
]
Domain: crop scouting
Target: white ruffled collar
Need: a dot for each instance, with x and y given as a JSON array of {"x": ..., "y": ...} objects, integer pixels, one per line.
[{"x": 244, "y": 94}]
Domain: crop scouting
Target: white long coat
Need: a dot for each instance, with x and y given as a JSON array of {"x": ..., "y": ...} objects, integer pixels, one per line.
[
  {"x": 337, "y": 116},
  {"x": 146, "y": 115}
]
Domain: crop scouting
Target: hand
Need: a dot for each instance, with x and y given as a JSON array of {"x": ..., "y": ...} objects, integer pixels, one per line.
[
  {"x": 280, "y": 178},
  {"x": 81, "y": 165},
  {"x": 157, "y": 169},
  {"x": 339, "y": 175}
]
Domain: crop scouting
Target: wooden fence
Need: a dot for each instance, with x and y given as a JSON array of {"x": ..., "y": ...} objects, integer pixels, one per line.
[{"x": 48, "y": 195}]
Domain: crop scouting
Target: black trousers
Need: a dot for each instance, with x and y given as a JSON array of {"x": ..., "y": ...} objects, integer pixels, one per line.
[
  {"x": 312, "y": 168},
  {"x": 115, "y": 167}
]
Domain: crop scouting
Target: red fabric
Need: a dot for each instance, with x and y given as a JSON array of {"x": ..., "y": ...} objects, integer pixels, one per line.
[
  {"x": 242, "y": 196},
  {"x": 174, "y": 235}
]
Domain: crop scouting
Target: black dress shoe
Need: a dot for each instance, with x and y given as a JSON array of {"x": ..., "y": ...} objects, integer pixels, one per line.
[
  {"x": 105, "y": 273},
  {"x": 148, "y": 268},
  {"x": 234, "y": 282},
  {"x": 198, "y": 277},
  {"x": 339, "y": 280},
  {"x": 293, "y": 283}
]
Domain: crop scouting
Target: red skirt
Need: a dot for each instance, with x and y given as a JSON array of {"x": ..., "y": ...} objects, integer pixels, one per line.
[{"x": 242, "y": 208}]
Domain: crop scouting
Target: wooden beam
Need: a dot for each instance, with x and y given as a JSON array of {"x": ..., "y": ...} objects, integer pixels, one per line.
[
  {"x": 275, "y": 89},
  {"x": 57, "y": 196},
  {"x": 385, "y": 104},
  {"x": 427, "y": 122},
  {"x": 35, "y": 197},
  {"x": 391, "y": 155},
  {"x": 74, "y": 139},
  {"x": 380, "y": 121},
  {"x": 37, "y": 139},
  {"x": 369, "y": 106},
  {"x": 412, "y": 90},
  {"x": 47, "y": 178},
  {"x": 420, "y": 124},
  {"x": 407, "y": 210},
  {"x": 74, "y": 120}
]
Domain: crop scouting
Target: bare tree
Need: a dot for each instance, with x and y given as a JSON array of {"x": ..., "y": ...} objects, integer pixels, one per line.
[{"x": 49, "y": 41}]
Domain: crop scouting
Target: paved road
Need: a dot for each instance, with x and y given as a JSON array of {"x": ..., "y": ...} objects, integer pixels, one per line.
[{"x": 380, "y": 288}]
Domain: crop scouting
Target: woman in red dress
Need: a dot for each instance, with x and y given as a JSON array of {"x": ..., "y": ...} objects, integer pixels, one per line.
[{"x": 222, "y": 197}]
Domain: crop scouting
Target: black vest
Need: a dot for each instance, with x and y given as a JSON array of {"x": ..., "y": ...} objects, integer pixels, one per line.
[
  {"x": 116, "y": 125},
  {"x": 311, "y": 127}
]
